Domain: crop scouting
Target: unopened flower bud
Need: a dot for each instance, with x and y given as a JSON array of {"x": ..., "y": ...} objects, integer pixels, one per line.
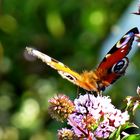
[
  {"x": 66, "y": 134},
  {"x": 60, "y": 107}
]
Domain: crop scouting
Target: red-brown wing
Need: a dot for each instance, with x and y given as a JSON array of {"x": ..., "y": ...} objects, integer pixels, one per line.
[{"x": 115, "y": 62}]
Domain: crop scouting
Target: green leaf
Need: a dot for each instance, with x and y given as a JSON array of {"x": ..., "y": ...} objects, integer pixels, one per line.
[
  {"x": 116, "y": 134},
  {"x": 112, "y": 135},
  {"x": 118, "y": 131},
  {"x": 118, "y": 138},
  {"x": 132, "y": 137},
  {"x": 129, "y": 125}
]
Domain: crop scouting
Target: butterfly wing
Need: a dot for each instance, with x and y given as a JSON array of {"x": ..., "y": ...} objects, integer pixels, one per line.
[
  {"x": 109, "y": 70},
  {"x": 115, "y": 62},
  {"x": 62, "y": 69}
]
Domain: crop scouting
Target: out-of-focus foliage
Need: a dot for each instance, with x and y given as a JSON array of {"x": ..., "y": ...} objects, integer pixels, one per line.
[{"x": 72, "y": 32}]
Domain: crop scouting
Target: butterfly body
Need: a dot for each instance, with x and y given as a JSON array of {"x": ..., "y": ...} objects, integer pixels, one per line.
[{"x": 109, "y": 70}]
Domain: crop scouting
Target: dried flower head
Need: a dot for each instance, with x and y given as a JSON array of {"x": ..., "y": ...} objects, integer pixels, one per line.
[
  {"x": 133, "y": 102},
  {"x": 66, "y": 134},
  {"x": 60, "y": 107}
]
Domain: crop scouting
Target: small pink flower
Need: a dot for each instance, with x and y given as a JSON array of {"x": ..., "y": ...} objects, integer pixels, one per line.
[
  {"x": 119, "y": 118},
  {"x": 104, "y": 130}
]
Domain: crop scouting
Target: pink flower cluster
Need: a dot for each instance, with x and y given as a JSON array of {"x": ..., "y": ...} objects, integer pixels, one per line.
[{"x": 95, "y": 117}]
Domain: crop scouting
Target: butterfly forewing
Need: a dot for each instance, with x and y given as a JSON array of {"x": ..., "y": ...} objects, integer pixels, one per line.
[{"x": 62, "y": 69}]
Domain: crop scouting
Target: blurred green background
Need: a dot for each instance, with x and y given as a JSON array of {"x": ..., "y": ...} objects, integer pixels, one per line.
[{"x": 70, "y": 31}]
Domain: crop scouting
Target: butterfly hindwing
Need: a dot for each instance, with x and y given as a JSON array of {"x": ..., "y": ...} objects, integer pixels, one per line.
[
  {"x": 116, "y": 71},
  {"x": 115, "y": 62}
]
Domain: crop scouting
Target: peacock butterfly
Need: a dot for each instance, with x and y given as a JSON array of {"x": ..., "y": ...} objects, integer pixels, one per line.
[{"x": 109, "y": 70}]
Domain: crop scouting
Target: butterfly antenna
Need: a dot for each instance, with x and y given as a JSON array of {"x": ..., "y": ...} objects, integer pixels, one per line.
[
  {"x": 100, "y": 92},
  {"x": 89, "y": 96},
  {"x": 78, "y": 93}
]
